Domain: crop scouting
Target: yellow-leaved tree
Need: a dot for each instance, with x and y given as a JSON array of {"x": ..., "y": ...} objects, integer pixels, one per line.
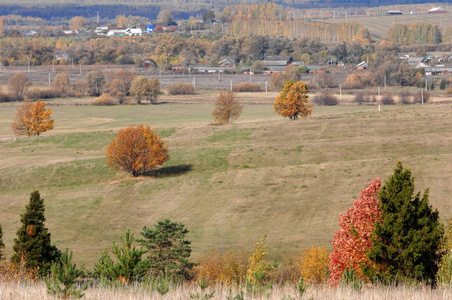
[
  {"x": 137, "y": 150},
  {"x": 293, "y": 101},
  {"x": 258, "y": 262},
  {"x": 32, "y": 119}
]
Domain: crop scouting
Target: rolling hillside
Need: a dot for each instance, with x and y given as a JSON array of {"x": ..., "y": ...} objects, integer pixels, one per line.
[{"x": 229, "y": 184}]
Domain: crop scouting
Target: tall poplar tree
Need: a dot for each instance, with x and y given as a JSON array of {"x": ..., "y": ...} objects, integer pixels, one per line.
[
  {"x": 407, "y": 239},
  {"x": 33, "y": 239},
  {"x": 2, "y": 244}
]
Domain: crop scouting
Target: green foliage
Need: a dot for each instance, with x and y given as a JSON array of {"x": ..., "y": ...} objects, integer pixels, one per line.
[
  {"x": 33, "y": 239},
  {"x": 168, "y": 251},
  {"x": 350, "y": 278},
  {"x": 163, "y": 284},
  {"x": 2, "y": 244},
  {"x": 301, "y": 287},
  {"x": 257, "y": 285},
  {"x": 444, "y": 275},
  {"x": 406, "y": 241},
  {"x": 442, "y": 85},
  {"x": 63, "y": 280},
  {"x": 129, "y": 265},
  {"x": 238, "y": 296},
  {"x": 203, "y": 284}
]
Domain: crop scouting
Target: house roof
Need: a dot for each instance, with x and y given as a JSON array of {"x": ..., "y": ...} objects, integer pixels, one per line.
[
  {"x": 362, "y": 64},
  {"x": 274, "y": 60},
  {"x": 435, "y": 9}
]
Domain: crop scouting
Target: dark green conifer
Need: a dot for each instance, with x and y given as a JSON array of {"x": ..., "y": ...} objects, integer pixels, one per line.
[
  {"x": 33, "y": 239},
  {"x": 2, "y": 245},
  {"x": 407, "y": 239},
  {"x": 168, "y": 251}
]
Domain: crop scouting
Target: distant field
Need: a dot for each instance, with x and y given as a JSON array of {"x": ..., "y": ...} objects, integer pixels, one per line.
[
  {"x": 379, "y": 26},
  {"x": 229, "y": 184}
]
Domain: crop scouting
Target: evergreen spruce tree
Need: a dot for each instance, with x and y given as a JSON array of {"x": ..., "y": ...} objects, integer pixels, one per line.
[
  {"x": 168, "y": 251},
  {"x": 407, "y": 239},
  {"x": 33, "y": 239},
  {"x": 2, "y": 245},
  {"x": 442, "y": 85}
]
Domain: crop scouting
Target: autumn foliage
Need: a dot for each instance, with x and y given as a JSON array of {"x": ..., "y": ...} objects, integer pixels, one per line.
[
  {"x": 352, "y": 240},
  {"x": 137, "y": 150},
  {"x": 32, "y": 119},
  {"x": 229, "y": 268},
  {"x": 293, "y": 101},
  {"x": 313, "y": 264},
  {"x": 227, "y": 107}
]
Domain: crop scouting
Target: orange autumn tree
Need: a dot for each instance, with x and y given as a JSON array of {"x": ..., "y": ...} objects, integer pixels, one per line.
[
  {"x": 352, "y": 241},
  {"x": 32, "y": 119},
  {"x": 293, "y": 101},
  {"x": 137, "y": 150}
]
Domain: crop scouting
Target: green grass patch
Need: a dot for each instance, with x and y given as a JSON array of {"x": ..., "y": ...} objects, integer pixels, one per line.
[{"x": 231, "y": 135}]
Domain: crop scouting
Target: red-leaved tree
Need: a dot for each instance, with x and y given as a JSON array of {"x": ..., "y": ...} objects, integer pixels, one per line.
[{"x": 352, "y": 240}]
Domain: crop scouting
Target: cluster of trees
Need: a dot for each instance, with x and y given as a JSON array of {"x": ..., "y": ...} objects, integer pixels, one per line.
[
  {"x": 389, "y": 235},
  {"x": 415, "y": 34},
  {"x": 167, "y": 252}
]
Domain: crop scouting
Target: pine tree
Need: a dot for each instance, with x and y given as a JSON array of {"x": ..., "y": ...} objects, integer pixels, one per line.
[
  {"x": 129, "y": 265},
  {"x": 33, "y": 239},
  {"x": 407, "y": 239},
  {"x": 168, "y": 252},
  {"x": 442, "y": 85},
  {"x": 64, "y": 276},
  {"x": 2, "y": 244}
]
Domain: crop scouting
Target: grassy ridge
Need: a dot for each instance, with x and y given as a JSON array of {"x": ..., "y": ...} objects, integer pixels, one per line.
[{"x": 229, "y": 184}]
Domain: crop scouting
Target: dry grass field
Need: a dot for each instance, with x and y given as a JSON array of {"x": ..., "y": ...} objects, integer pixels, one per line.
[
  {"x": 230, "y": 184},
  {"x": 277, "y": 292},
  {"x": 379, "y": 26}
]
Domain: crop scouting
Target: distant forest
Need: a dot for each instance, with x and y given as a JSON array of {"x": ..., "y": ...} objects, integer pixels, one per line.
[
  {"x": 68, "y": 11},
  {"x": 186, "y": 8}
]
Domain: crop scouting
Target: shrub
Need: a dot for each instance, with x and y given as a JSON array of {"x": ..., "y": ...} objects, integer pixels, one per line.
[
  {"x": 81, "y": 88},
  {"x": 417, "y": 98},
  {"x": 325, "y": 99},
  {"x": 105, "y": 99},
  {"x": 387, "y": 99},
  {"x": 361, "y": 98},
  {"x": 33, "y": 94},
  {"x": 181, "y": 88},
  {"x": 229, "y": 268},
  {"x": 405, "y": 97},
  {"x": 50, "y": 93},
  {"x": 227, "y": 107},
  {"x": 353, "y": 81},
  {"x": 247, "y": 87},
  {"x": 6, "y": 97},
  {"x": 313, "y": 264}
]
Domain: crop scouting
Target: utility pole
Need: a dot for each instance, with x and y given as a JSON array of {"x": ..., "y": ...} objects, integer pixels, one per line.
[{"x": 379, "y": 99}]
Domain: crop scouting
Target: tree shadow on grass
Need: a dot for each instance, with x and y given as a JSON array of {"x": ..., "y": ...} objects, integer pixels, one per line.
[{"x": 169, "y": 171}]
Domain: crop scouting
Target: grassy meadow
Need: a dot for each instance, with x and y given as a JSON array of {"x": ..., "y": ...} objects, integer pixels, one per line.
[{"x": 230, "y": 184}]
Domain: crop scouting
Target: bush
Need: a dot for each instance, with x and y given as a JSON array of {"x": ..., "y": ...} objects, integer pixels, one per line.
[
  {"x": 247, "y": 87},
  {"x": 50, "y": 93},
  {"x": 421, "y": 95},
  {"x": 33, "y": 94},
  {"x": 449, "y": 91},
  {"x": 387, "y": 99},
  {"x": 181, "y": 88},
  {"x": 361, "y": 98},
  {"x": 325, "y": 99},
  {"x": 229, "y": 268},
  {"x": 105, "y": 99},
  {"x": 405, "y": 97},
  {"x": 6, "y": 97},
  {"x": 313, "y": 265}
]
